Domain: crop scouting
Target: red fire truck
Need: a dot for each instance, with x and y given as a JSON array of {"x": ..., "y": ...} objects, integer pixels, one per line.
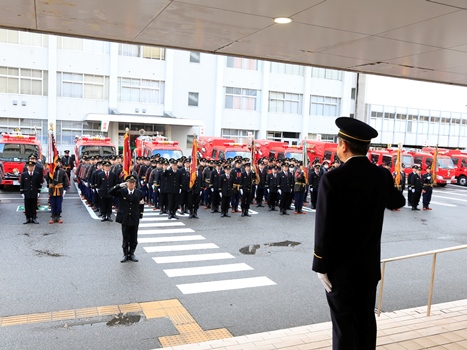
[
  {"x": 389, "y": 156},
  {"x": 212, "y": 147},
  {"x": 147, "y": 146},
  {"x": 93, "y": 145},
  {"x": 459, "y": 159},
  {"x": 14, "y": 152},
  {"x": 445, "y": 172},
  {"x": 269, "y": 149}
]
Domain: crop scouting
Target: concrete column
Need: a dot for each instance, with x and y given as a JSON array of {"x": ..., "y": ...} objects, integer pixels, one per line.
[
  {"x": 361, "y": 98},
  {"x": 113, "y": 78},
  {"x": 306, "y": 104},
  {"x": 219, "y": 101},
  {"x": 52, "y": 83},
  {"x": 169, "y": 81},
  {"x": 262, "y": 134}
]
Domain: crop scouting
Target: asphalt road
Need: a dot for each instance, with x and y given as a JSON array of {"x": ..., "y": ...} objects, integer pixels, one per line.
[{"x": 268, "y": 284}]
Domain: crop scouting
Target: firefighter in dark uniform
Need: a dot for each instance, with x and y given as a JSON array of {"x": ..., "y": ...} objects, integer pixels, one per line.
[
  {"x": 409, "y": 184},
  {"x": 185, "y": 186},
  {"x": 237, "y": 184},
  {"x": 58, "y": 184},
  {"x": 272, "y": 188},
  {"x": 225, "y": 190},
  {"x": 313, "y": 180},
  {"x": 263, "y": 173},
  {"x": 105, "y": 182},
  {"x": 30, "y": 184},
  {"x": 246, "y": 188},
  {"x": 348, "y": 225},
  {"x": 130, "y": 211},
  {"x": 67, "y": 163},
  {"x": 173, "y": 187},
  {"x": 299, "y": 189},
  {"x": 163, "y": 188},
  {"x": 427, "y": 181},
  {"x": 417, "y": 187},
  {"x": 286, "y": 183},
  {"x": 194, "y": 194},
  {"x": 214, "y": 186}
]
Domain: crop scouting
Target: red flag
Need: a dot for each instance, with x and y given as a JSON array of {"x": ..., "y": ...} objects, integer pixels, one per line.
[
  {"x": 52, "y": 154},
  {"x": 305, "y": 160},
  {"x": 253, "y": 161},
  {"x": 126, "y": 155},
  {"x": 194, "y": 162}
]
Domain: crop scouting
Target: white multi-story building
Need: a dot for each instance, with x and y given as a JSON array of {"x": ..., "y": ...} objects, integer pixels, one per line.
[{"x": 80, "y": 85}]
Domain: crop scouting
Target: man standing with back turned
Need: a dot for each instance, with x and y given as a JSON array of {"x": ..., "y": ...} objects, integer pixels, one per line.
[{"x": 349, "y": 221}]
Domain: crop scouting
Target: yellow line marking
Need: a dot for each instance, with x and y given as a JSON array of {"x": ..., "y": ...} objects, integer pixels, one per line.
[{"x": 190, "y": 331}]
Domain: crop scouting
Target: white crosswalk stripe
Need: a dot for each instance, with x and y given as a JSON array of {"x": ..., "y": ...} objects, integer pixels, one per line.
[
  {"x": 213, "y": 286},
  {"x": 207, "y": 270},
  {"x": 194, "y": 257},
  {"x": 162, "y": 224},
  {"x": 165, "y": 231},
  {"x": 180, "y": 247},
  {"x": 171, "y": 239}
]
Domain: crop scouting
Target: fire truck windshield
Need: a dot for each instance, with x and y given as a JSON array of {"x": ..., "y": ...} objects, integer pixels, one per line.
[
  {"x": 95, "y": 150},
  {"x": 445, "y": 163},
  {"x": 16, "y": 152},
  {"x": 295, "y": 155},
  {"x": 168, "y": 153},
  {"x": 407, "y": 161},
  {"x": 232, "y": 154}
]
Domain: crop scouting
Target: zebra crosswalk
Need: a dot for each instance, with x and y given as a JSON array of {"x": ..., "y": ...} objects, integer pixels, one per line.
[{"x": 182, "y": 253}]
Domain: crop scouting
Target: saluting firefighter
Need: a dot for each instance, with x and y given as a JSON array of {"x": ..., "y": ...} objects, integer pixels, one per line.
[
  {"x": 30, "y": 185},
  {"x": 427, "y": 180},
  {"x": 130, "y": 211},
  {"x": 416, "y": 185},
  {"x": 299, "y": 189},
  {"x": 58, "y": 185}
]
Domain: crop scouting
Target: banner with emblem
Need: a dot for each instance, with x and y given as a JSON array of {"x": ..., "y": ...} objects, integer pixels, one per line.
[
  {"x": 126, "y": 154},
  {"x": 305, "y": 160},
  {"x": 398, "y": 167},
  {"x": 253, "y": 161},
  {"x": 194, "y": 161},
  {"x": 52, "y": 153}
]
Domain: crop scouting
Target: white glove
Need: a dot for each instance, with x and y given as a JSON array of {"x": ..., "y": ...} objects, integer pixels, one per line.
[
  {"x": 200, "y": 193},
  {"x": 22, "y": 194},
  {"x": 97, "y": 190},
  {"x": 64, "y": 192},
  {"x": 86, "y": 184},
  {"x": 323, "y": 277},
  {"x": 38, "y": 195},
  {"x": 267, "y": 189},
  {"x": 179, "y": 191},
  {"x": 279, "y": 191},
  {"x": 158, "y": 189},
  {"x": 153, "y": 187},
  {"x": 220, "y": 194},
  {"x": 311, "y": 189},
  {"x": 212, "y": 189},
  {"x": 123, "y": 184},
  {"x": 413, "y": 190},
  {"x": 241, "y": 192},
  {"x": 141, "y": 182}
]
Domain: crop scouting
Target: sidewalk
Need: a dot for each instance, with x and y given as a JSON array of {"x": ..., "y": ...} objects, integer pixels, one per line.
[{"x": 446, "y": 328}]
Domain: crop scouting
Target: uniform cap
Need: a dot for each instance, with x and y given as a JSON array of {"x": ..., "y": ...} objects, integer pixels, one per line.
[
  {"x": 30, "y": 162},
  {"x": 157, "y": 155},
  {"x": 172, "y": 161},
  {"x": 66, "y": 151},
  {"x": 228, "y": 167},
  {"x": 104, "y": 163},
  {"x": 33, "y": 155},
  {"x": 355, "y": 130},
  {"x": 317, "y": 165},
  {"x": 130, "y": 178},
  {"x": 247, "y": 164}
]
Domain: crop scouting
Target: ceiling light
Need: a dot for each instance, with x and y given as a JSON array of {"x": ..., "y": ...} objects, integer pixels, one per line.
[{"x": 282, "y": 20}]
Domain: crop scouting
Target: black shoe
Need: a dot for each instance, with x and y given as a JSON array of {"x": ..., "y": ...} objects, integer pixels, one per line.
[
  {"x": 132, "y": 257},
  {"x": 109, "y": 218},
  {"x": 246, "y": 214},
  {"x": 174, "y": 217},
  {"x": 273, "y": 209},
  {"x": 243, "y": 214},
  {"x": 269, "y": 209},
  {"x": 227, "y": 215},
  {"x": 285, "y": 213},
  {"x": 34, "y": 221},
  {"x": 259, "y": 206},
  {"x": 222, "y": 215},
  {"x": 28, "y": 221},
  {"x": 124, "y": 258},
  {"x": 104, "y": 218}
]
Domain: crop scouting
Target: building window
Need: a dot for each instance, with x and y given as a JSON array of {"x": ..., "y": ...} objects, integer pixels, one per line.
[
  {"x": 325, "y": 106},
  {"x": 86, "y": 45},
  {"x": 323, "y": 137},
  {"x": 193, "y": 99},
  {"x": 77, "y": 85},
  {"x": 128, "y": 50},
  {"x": 324, "y": 73},
  {"x": 67, "y": 130},
  {"x": 239, "y": 135},
  {"x": 152, "y": 52},
  {"x": 285, "y": 68},
  {"x": 245, "y": 99},
  {"x": 353, "y": 93},
  {"x": 283, "y": 102},
  {"x": 23, "y": 81},
  {"x": 195, "y": 57},
  {"x": 39, "y": 127},
  {"x": 242, "y": 63},
  {"x": 23, "y": 38},
  {"x": 140, "y": 90}
]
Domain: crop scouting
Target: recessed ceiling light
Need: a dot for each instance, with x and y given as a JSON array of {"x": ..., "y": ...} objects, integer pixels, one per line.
[{"x": 282, "y": 20}]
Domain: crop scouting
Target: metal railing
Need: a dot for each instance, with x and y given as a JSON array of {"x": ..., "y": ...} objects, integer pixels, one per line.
[{"x": 433, "y": 268}]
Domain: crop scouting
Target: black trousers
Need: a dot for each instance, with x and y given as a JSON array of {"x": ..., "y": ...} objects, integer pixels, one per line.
[
  {"x": 259, "y": 195},
  {"x": 163, "y": 201},
  {"x": 246, "y": 198},
  {"x": 192, "y": 202},
  {"x": 314, "y": 198},
  {"x": 272, "y": 199},
  {"x": 353, "y": 316},
  {"x": 172, "y": 204},
  {"x": 225, "y": 204},
  {"x": 416, "y": 199},
  {"x": 130, "y": 239},
  {"x": 30, "y": 206},
  {"x": 106, "y": 206},
  {"x": 183, "y": 198},
  {"x": 286, "y": 199},
  {"x": 216, "y": 199}
]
